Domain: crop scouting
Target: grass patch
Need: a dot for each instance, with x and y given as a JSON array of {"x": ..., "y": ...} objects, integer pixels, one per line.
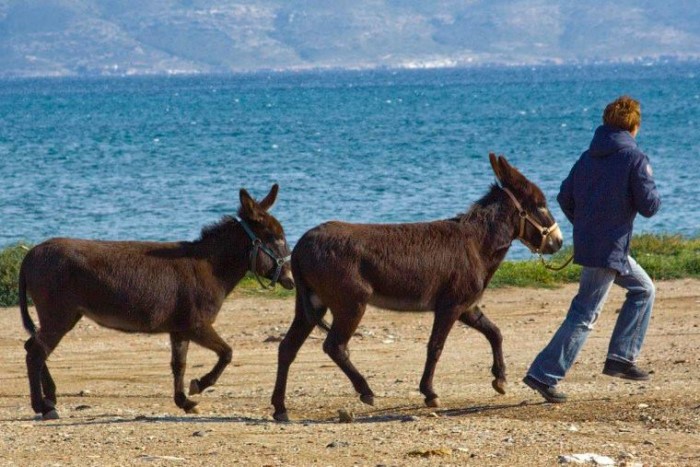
[
  {"x": 10, "y": 261},
  {"x": 250, "y": 287},
  {"x": 667, "y": 256},
  {"x": 531, "y": 273},
  {"x": 662, "y": 256}
]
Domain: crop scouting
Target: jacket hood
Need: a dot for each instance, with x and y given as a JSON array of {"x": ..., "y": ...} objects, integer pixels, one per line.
[{"x": 608, "y": 140}]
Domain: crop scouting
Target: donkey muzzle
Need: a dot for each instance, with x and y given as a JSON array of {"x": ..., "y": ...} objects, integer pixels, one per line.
[{"x": 286, "y": 281}]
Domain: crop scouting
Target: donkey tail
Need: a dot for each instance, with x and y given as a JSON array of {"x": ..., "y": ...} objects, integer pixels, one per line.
[
  {"x": 312, "y": 316},
  {"x": 24, "y": 310}
]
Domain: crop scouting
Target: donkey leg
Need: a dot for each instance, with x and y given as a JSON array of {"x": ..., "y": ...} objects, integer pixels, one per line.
[
  {"x": 442, "y": 324},
  {"x": 345, "y": 322},
  {"x": 477, "y": 320},
  {"x": 289, "y": 347},
  {"x": 36, "y": 361},
  {"x": 208, "y": 338},
  {"x": 178, "y": 363},
  {"x": 48, "y": 385},
  {"x": 41, "y": 385}
]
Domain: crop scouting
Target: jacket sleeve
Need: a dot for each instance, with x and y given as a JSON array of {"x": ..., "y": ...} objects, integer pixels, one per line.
[
  {"x": 644, "y": 193},
  {"x": 566, "y": 195}
]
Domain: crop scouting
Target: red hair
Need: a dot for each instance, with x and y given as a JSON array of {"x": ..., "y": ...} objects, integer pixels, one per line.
[{"x": 624, "y": 112}]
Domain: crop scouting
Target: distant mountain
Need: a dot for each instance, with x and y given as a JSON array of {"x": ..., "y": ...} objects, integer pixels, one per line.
[{"x": 132, "y": 37}]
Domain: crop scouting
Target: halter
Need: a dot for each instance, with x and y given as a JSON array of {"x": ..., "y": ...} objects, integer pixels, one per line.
[
  {"x": 259, "y": 245},
  {"x": 545, "y": 232}
]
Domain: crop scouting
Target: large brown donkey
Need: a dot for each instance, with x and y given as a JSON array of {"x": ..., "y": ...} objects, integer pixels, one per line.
[
  {"x": 148, "y": 287},
  {"x": 443, "y": 266}
]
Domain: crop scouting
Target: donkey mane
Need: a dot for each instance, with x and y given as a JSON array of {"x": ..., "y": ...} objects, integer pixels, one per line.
[
  {"x": 483, "y": 211},
  {"x": 482, "y": 216},
  {"x": 218, "y": 230}
]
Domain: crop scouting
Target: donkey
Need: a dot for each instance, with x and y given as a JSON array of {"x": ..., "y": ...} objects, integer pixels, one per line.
[
  {"x": 443, "y": 266},
  {"x": 148, "y": 287}
]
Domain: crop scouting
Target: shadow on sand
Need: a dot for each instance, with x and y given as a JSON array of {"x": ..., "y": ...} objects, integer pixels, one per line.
[{"x": 407, "y": 413}]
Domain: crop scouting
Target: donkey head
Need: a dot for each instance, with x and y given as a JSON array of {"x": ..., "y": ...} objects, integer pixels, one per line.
[
  {"x": 536, "y": 227},
  {"x": 270, "y": 253}
]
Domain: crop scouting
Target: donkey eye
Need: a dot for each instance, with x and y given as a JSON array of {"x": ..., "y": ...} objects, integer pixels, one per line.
[{"x": 543, "y": 209}]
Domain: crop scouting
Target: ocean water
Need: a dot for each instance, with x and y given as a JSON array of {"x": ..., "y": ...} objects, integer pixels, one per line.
[{"x": 158, "y": 158}]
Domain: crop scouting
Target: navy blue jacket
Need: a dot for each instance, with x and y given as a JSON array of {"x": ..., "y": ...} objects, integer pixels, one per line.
[{"x": 606, "y": 188}]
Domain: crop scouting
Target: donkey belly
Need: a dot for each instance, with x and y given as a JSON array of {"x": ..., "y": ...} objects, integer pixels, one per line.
[
  {"x": 401, "y": 303},
  {"x": 120, "y": 321}
]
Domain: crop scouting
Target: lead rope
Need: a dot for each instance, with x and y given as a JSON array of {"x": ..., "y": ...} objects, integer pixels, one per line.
[{"x": 555, "y": 268}]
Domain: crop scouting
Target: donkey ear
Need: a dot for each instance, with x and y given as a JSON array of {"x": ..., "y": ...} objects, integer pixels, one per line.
[
  {"x": 270, "y": 199},
  {"x": 495, "y": 166},
  {"x": 510, "y": 175},
  {"x": 249, "y": 207},
  {"x": 506, "y": 168}
]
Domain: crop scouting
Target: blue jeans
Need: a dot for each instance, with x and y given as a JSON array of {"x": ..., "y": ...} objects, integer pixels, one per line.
[{"x": 552, "y": 363}]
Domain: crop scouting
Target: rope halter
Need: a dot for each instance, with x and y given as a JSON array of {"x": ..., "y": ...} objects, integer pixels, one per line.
[
  {"x": 259, "y": 245},
  {"x": 545, "y": 232}
]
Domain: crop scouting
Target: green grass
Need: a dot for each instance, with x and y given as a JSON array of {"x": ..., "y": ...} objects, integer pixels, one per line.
[
  {"x": 531, "y": 273},
  {"x": 662, "y": 256},
  {"x": 10, "y": 260},
  {"x": 250, "y": 287},
  {"x": 667, "y": 256}
]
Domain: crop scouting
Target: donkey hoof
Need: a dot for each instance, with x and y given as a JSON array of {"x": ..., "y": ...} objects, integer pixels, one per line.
[
  {"x": 194, "y": 387},
  {"x": 190, "y": 407},
  {"x": 499, "y": 385},
  {"x": 434, "y": 402},
  {"x": 281, "y": 417},
  {"x": 367, "y": 399},
  {"x": 50, "y": 415}
]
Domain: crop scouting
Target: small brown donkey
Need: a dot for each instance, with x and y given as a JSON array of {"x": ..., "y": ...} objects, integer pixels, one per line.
[
  {"x": 443, "y": 266},
  {"x": 148, "y": 287}
]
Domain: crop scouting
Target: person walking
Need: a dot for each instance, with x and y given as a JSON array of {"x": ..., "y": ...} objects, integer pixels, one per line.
[{"x": 608, "y": 185}]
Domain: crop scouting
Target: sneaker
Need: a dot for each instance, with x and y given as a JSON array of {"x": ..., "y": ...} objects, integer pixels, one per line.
[
  {"x": 549, "y": 393},
  {"x": 624, "y": 370}
]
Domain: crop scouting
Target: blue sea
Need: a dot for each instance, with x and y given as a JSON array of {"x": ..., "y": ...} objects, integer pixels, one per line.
[{"x": 158, "y": 158}]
